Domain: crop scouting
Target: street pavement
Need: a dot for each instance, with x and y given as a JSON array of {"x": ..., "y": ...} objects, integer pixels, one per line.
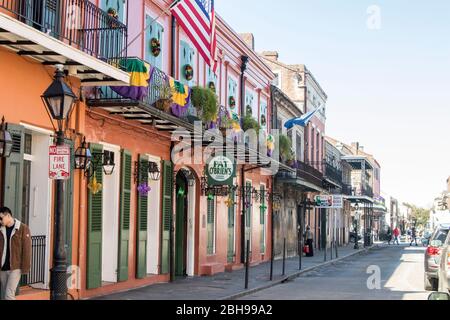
[
  {"x": 401, "y": 278},
  {"x": 229, "y": 284}
]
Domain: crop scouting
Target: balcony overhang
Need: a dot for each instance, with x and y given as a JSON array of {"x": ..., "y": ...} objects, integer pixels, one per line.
[
  {"x": 330, "y": 181},
  {"x": 359, "y": 199},
  {"x": 357, "y": 161},
  {"x": 303, "y": 184},
  {"x": 29, "y": 42}
]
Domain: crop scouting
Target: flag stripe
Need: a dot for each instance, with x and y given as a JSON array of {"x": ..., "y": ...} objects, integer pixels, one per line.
[
  {"x": 198, "y": 20},
  {"x": 202, "y": 34}
]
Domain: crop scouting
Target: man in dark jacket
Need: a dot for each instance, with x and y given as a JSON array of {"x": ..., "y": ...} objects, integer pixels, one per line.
[{"x": 15, "y": 253}]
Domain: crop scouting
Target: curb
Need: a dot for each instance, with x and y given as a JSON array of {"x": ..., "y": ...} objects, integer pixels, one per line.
[{"x": 296, "y": 274}]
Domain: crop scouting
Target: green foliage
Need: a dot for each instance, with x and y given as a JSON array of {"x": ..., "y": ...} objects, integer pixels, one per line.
[
  {"x": 421, "y": 215},
  {"x": 285, "y": 147},
  {"x": 205, "y": 101},
  {"x": 248, "y": 122}
]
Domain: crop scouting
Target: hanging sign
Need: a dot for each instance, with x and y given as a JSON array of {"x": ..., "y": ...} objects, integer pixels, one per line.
[
  {"x": 220, "y": 171},
  {"x": 329, "y": 202},
  {"x": 59, "y": 162}
]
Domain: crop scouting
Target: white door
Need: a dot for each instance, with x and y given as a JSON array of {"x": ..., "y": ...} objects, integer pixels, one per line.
[{"x": 110, "y": 227}]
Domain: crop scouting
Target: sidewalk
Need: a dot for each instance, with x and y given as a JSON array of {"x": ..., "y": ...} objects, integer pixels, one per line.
[{"x": 230, "y": 285}]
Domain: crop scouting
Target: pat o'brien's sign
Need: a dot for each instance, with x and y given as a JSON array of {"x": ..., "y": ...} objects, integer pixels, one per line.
[{"x": 220, "y": 171}]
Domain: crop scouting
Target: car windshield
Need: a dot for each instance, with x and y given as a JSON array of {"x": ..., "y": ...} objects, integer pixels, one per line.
[{"x": 441, "y": 235}]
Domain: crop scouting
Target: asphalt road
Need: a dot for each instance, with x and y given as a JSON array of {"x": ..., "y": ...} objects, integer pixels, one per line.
[{"x": 388, "y": 273}]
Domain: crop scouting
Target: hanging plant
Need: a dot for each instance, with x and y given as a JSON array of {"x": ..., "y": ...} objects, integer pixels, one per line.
[
  {"x": 188, "y": 72},
  {"x": 229, "y": 202},
  {"x": 263, "y": 120},
  {"x": 94, "y": 186},
  {"x": 205, "y": 101},
  {"x": 181, "y": 192},
  {"x": 249, "y": 110},
  {"x": 250, "y": 123},
  {"x": 212, "y": 86},
  {"x": 155, "y": 47},
  {"x": 263, "y": 207},
  {"x": 210, "y": 197},
  {"x": 232, "y": 102},
  {"x": 144, "y": 189}
]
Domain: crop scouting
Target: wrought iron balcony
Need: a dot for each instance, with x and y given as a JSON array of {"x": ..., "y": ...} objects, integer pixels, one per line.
[
  {"x": 363, "y": 191},
  {"x": 347, "y": 189},
  {"x": 333, "y": 173},
  {"x": 78, "y": 23},
  {"x": 309, "y": 173}
]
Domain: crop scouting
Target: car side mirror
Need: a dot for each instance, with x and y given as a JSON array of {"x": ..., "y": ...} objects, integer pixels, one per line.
[{"x": 439, "y": 296}]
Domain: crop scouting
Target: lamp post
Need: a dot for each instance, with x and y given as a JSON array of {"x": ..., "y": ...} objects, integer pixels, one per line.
[
  {"x": 59, "y": 100},
  {"x": 356, "y": 247}
]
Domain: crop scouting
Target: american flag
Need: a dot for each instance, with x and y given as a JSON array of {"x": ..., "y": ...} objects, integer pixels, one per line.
[{"x": 198, "y": 20}]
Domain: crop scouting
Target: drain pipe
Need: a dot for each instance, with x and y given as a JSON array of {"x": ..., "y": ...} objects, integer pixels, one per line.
[{"x": 244, "y": 60}]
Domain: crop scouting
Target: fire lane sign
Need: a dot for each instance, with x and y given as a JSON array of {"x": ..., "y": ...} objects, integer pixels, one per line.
[{"x": 59, "y": 162}]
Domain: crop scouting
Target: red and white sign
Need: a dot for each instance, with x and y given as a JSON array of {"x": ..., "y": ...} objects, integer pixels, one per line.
[{"x": 59, "y": 162}]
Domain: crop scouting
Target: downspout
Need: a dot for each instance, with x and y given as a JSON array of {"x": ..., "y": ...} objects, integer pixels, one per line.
[
  {"x": 274, "y": 118},
  {"x": 173, "y": 45},
  {"x": 244, "y": 60}
]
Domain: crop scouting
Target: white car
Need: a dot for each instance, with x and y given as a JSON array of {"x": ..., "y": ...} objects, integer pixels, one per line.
[{"x": 444, "y": 267}]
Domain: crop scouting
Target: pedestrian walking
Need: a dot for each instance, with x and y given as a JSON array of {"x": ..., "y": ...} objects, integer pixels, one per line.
[
  {"x": 309, "y": 240},
  {"x": 413, "y": 237},
  {"x": 15, "y": 253},
  {"x": 389, "y": 235},
  {"x": 396, "y": 235}
]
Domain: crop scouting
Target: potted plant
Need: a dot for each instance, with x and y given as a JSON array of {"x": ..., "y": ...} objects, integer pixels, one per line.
[
  {"x": 205, "y": 101},
  {"x": 285, "y": 144},
  {"x": 248, "y": 122},
  {"x": 165, "y": 98}
]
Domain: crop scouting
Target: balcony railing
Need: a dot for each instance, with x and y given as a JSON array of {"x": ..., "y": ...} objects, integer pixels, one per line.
[
  {"x": 37, "y": 272},
  {"x": 333, "y": 173},
  {"x": 347, "y": 189},
  {"x": 309, "y": 173},
  {"x": 363, "y": 191},
  {"x": 78, "y": 23}
]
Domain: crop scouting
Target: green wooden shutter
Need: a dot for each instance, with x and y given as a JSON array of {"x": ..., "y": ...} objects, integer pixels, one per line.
[
  {"x": 211, "y": 226},
  {"x": 154, "y": 31},
  {"x": 187, "y": 54},
  {"x": 142, "y": 222},
  {"x": 167, "y": 207},
  {"x": 94, "y": 239},
  {"x": 263, "y": 209},
  {"x": 248, "y": 216},
  {"x": 68, "y": 205},
  {"x": 14, "y": 170},
  {"x": 124, "y": 218},
  {"x": 119, "y": 5}
]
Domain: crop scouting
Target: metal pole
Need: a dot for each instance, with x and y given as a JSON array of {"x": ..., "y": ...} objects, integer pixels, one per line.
[
  {"x": 247, "y": 262},
  {"x": 272, "y": 245},
  {"x": 284, "y": 256},
  {"x": 58, "y": 274}
]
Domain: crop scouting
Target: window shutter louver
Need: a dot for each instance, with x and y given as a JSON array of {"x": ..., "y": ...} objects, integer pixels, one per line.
[
  {"x": 167, "y": 206},
  {"x": 141, "y": 229},
  {"x": 124, "y": 218}
]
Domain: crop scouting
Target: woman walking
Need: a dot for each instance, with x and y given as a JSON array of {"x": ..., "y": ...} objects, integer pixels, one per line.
[{"x": 309, "y": 236}]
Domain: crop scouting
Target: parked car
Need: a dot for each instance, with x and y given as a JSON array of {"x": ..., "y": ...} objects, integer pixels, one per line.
[
  {"x": 433, "y": 256},
  {"x": 444, "y": 267}
]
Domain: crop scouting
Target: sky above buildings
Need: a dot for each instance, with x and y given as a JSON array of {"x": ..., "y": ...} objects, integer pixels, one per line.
[{"x": 385, "y": 66}]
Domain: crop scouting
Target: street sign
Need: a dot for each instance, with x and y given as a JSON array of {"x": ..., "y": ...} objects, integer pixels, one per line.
[
  {"x": 59, "y": 162},
  {"x": 329, "y": 202}
]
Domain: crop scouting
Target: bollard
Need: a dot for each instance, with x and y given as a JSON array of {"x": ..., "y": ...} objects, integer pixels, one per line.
[
  {"x": 247, "y": 262},
  {"x": 284, "y": 256},
  {"x": 336, "y": 247}
]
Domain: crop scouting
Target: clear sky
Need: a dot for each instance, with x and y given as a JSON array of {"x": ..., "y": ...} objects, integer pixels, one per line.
[{"x": 387, "y": 79}]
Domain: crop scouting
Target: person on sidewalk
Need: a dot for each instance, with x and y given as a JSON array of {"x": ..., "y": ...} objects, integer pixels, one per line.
[
  {"x": 396, "y": 235},
  {"x": 413, "y": 237},
  {"x": 389, "y": 235},
  {"x": 309, "y": 240},
  {"x": 15, "y": 253}
]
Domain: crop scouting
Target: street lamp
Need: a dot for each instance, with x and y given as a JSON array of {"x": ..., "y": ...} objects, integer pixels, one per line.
[
  {"x": 6, "y": 142},
  {"x": 357, "y": 216},
  {"x": 59, "y": 100}
]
